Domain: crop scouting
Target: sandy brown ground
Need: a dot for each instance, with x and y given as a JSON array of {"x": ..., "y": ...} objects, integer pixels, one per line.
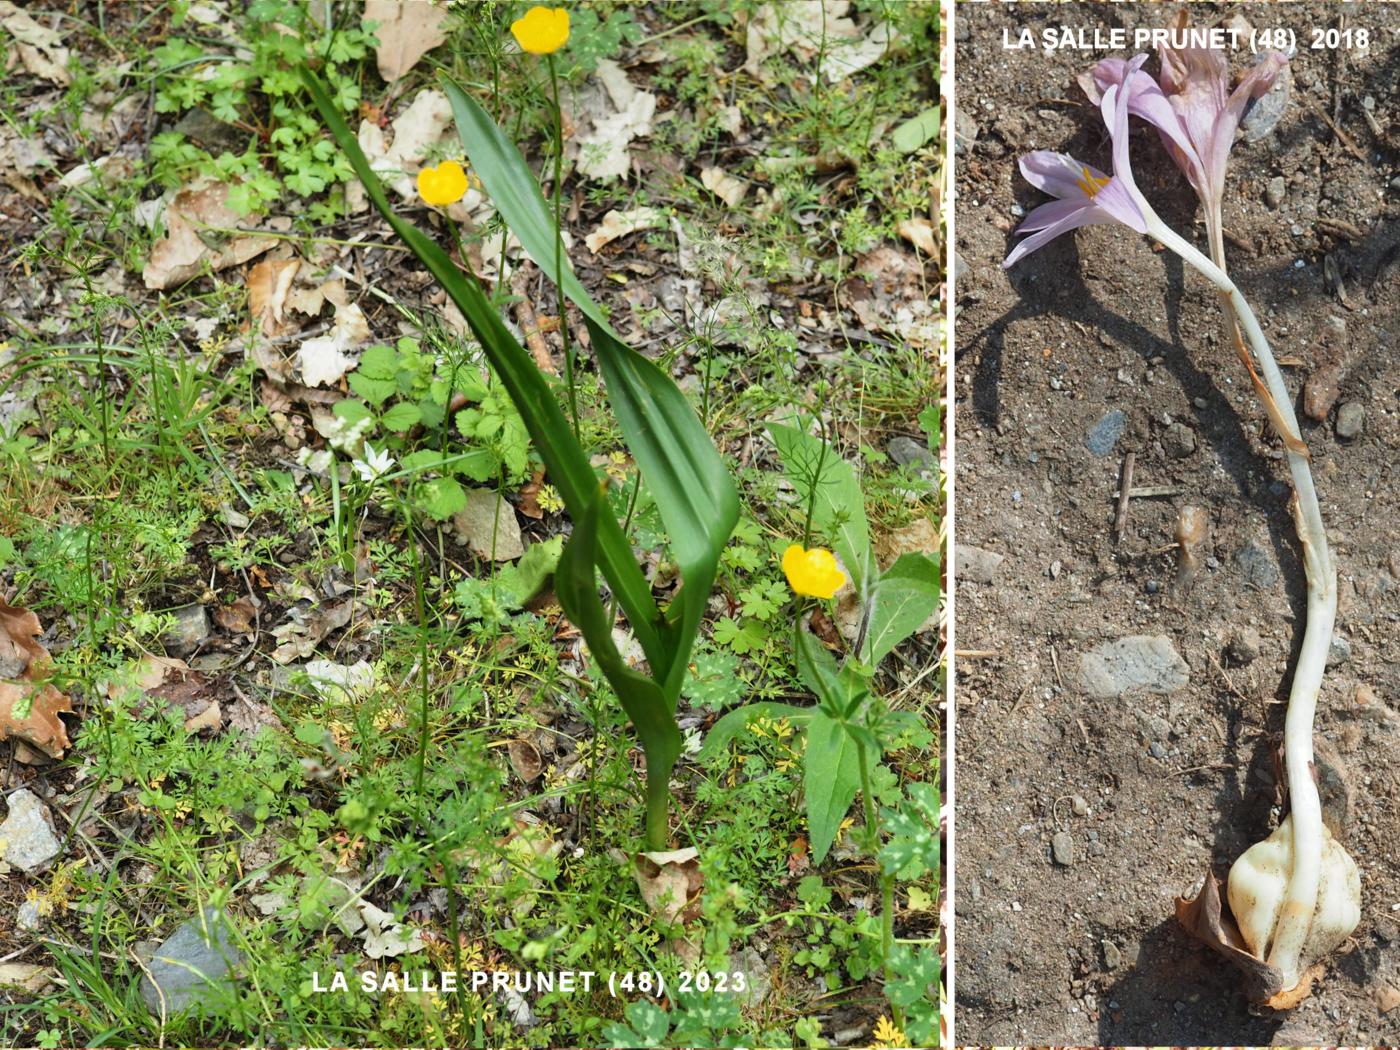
[{"x": 1170, "y": 784}]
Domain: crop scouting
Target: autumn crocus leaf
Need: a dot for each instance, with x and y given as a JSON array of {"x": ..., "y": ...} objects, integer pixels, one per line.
[
  {"x": 29, "y": 706},
  {"x": 406, "y": 32}
]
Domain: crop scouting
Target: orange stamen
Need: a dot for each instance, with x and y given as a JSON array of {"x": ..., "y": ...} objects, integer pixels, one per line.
[{"x": 1091, "y": 183}]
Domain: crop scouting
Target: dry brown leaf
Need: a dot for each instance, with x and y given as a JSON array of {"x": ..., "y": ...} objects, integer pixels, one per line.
[
  {"x": 322, "y": 360},
  {"x": 199, "y": 209},
  {"x": 670, "y": 882},
  {"x": 919, "y": 233},
  {"x": 724, "y": 185},
  {"x": 40, "y": 50},
  {"x": 236, "y": 618},
  {"x": 211, "y": 719},
  {"x": 1208, "y": 919},
  {"x": 617, "y": 224},
  {"x": 306, "y": 627},
  {"x": 527, "y": 500},
  {"x": 29, "y": 706},
  {"x": 622, "y": 113},
  {"x": 268, "y": 284},
  {"x": 406, "y": 32},
  {"x": 525, "y": 759}
]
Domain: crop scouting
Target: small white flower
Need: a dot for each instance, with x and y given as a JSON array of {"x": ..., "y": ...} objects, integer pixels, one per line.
[{"x": 374, "y": 465}]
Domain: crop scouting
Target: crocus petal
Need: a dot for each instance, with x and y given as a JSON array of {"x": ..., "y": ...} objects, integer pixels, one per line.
[
  {"x": 1049, "y": 214},
  {"x": 1114, "y": 108},
  {"x": 1085, "y": 215},
  {"x": 1119, "y": 205},
  {"x": 1255, "y": 84},
  {"x": 1058, "y": 174}
]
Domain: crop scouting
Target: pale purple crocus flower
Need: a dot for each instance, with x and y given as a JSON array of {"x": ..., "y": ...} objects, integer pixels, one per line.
[
  {"x": 1196, "y": 113},
  {"x": 1086, "y": 196}
]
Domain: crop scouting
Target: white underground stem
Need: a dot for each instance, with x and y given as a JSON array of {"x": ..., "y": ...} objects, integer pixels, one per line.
[{"x": 1295, "y": 918}]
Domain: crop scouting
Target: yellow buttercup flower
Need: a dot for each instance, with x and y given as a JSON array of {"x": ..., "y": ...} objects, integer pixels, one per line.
[
  {"x": 445, "y": 184},
  {"x": 542, "y": 30},
  {"x": 814, "y": 572}
]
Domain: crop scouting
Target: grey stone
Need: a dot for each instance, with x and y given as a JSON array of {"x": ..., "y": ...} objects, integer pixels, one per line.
[
  {"x": 755, "y": 970},
  {"x": 1112, "y": 957},
  {"x": 1157, "y": 751},
  {"x": 487, "y": 524},
  {"x": 1079, "y": 806},
  {"x": 1104, "y": 434},
  {"x": 910, "y": 453},
  {"x": 191, "y": 628},
  {"x": 1062, "y": 847},
  {"x": 1264, "y": 114},
  {"x": 960, "y": 267},
  {"x": 1258, "y": 565},
  {"x": 28, "y": 841},
  {"x": 190, "y": 964},
  {"x": 1340, "y": 650},
  {"x": 1273, "y": 196},
  {"x": 1179, "y": 441},
  {"x": 28, "y": 917},
  {"x": 965, "y": 131},
  {"x": 1138, "y": 662},
  {"x": 1351, "y": 418},
  {"x": 1243, "y": 647},
  {"x": 975, "y": 565}
]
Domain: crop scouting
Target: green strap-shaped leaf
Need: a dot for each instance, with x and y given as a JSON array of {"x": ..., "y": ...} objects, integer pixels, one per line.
[
  {"x": 577, "y": 590},
  {"x": 831, "y": 778},
  {"x": 904, "y": 599},
  {"x": 564, "y": 458},
  {"x": 694, "y": 493},
  {"x": 735, "y": 722}
]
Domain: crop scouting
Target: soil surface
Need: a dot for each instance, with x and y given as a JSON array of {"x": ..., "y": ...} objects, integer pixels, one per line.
[{"x": 1152, "y": 789}]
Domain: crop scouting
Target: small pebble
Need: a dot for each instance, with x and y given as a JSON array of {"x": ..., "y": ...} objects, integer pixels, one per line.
[
  {"x": 1340, "y": 652},
  {"x": 1351, "y": 418},
  {"x": 1273, "y": 196},
  {"x": 1062, "y": 846},
  {"x": 1158, "y": 751},
  {"x": 1104, "y": 434},
  {"x": 1152, "y": 587},
  {"x": 1079, "y": 806},
  {"x": 1179, "y": 440},
  {"x": 1244, "y": 646},
  {"x": 1112, "y": 957}
]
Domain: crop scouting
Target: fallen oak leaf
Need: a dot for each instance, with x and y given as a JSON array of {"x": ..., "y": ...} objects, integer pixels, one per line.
[
  {"x": 268, "y": 284},
  {"x": 29, "y": 706},
  {"x": 40, "y": 49},
  {"x": 617, "y": 224},
  {"x": 406, "y": 32},
  {"x": 183, "y": 252}
]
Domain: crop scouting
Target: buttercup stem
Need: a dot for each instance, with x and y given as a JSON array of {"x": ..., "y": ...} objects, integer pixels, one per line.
[
  {"x": 886, "y": 882},
  {"x": 559, "y": 241}
]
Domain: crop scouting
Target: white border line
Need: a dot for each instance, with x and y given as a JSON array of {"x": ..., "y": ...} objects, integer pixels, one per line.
[{"x": 948, "y": 84}]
